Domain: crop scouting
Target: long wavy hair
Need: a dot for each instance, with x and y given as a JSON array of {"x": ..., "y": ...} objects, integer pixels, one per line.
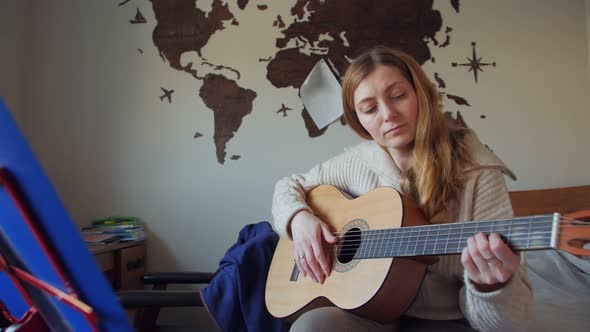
[{"x": 440, "y": 156}]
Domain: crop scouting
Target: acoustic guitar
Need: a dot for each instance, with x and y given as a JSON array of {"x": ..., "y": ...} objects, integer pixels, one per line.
[{"x": 384, "y": 247}]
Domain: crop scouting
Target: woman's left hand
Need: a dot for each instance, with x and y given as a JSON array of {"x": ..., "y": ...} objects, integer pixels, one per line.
[{"x": 489, "y": 262}]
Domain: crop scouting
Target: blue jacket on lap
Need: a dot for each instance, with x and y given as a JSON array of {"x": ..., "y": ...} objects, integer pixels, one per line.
[{"x": 235, "y": 297}]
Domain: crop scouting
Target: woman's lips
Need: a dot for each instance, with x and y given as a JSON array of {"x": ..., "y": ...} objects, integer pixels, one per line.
[{"x": 395, "y": 129}]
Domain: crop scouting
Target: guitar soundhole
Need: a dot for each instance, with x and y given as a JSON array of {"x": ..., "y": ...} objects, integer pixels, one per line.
[
  {"x": 344, "y": 257},
  {"x": 349, "y": 245}
]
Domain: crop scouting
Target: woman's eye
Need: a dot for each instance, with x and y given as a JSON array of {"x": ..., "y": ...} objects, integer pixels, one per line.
[
  {"x": 398, "y": 96},
  {"x": 370, "y": 109}
]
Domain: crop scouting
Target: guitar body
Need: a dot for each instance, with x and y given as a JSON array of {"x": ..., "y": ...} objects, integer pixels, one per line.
[{"x": 380, "y": 289}]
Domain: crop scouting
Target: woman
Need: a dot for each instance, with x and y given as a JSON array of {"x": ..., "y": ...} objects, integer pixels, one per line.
[{"x": 413, "y": 147}]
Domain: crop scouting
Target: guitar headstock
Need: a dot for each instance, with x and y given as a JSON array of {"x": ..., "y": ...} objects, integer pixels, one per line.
[{"x": 574, "y": 233}]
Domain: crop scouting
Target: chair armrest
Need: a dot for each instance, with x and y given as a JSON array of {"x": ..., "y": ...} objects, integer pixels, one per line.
[
  {"x": 177, "y": 278},
  {"x": 157, "y": 298}
]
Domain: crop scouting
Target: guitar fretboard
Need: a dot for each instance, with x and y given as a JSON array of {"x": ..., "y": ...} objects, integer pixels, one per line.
[{"x": 446, "y": 239}]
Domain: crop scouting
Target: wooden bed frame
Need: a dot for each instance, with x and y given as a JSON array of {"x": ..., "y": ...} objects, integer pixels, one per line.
[{"x": 564, "y": 200}]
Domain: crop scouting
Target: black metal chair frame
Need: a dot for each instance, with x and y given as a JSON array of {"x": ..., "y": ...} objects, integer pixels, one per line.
[{"x": 149, "y": 302}]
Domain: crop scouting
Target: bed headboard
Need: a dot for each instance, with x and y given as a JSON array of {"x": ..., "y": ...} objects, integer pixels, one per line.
[{"x": 563, "y": 200}]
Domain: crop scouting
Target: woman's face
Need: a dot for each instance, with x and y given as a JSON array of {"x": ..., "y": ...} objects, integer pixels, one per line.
[{"x": 387, "y": 107}]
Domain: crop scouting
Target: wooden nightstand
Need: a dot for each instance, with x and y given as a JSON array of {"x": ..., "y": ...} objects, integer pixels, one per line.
[{"x": 122, "y": 263}]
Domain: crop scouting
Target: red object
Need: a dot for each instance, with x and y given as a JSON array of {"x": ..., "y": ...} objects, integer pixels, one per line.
[{"x": 17, "y": 275}]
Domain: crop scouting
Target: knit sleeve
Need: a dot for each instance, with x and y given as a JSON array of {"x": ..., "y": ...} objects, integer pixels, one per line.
[
  {"x": 346, "y": 172},
  {"x": 511, "y": 307}
]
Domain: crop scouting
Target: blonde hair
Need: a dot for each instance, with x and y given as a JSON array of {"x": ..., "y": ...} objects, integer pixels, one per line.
[{"x": 440, "y": 156}]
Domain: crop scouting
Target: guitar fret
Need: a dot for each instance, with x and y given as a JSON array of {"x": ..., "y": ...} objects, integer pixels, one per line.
[
  {"x": 425, "y": 242},
  {"x": 386, "y": 239},
  {"x": 436, "y": 239},
  {"x": 528, "y": 245},
  {"x": 416, "y": 242},
  {"x": 397, "y": 244},
  {"x": 447, "y": 241},
  {"x": 461, "y": 240},
  {"x": 421, "y": 244},
  {"x": 406, "y": 242},
  {"x": 371, "y": 243},
  {"x": 394, "y": 243},
  {"x": 413, "y": 240},
  {"x": 377, "y": 246},
  {"x": 510, "y": 232},
  {"x": 395, "y": 239},
  {"x": 359, "y": 252},
  {"x": 383, "y": 243},
  {"x": 381, "y": 240},
  {"x": 400, "y": 246},
  {"x": 390, "y": 250},
  {"x": 369, "y": 240},
  {"x": 373, "y": 247},
  {"x": 500, "y": 229}
]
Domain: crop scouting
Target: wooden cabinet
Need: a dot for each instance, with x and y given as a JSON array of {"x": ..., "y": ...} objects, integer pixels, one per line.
[{"x": 122, "y": 263}]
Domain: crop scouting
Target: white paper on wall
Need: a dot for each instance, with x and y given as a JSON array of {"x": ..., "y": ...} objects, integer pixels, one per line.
[{"x": 321, "y": 95}]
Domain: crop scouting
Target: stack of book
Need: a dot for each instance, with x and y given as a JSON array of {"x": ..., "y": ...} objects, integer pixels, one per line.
[
  {"x": 114, "y": 229},
  {"x": 95, "y": 238}
]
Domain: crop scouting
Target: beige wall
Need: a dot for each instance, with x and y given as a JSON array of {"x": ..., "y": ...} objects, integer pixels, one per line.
[
  {"x": 588, "y": 26},
  {"x": 15, "y": 42},
  {"x": 536, "y": 99},
  {"x": 110, "y": 146}
]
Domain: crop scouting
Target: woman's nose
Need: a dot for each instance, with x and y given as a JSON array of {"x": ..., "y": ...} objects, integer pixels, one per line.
[{"x": 389, "y": 112}]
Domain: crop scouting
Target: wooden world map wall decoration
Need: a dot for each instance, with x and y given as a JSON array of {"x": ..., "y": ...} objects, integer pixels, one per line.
[
  {"x": 317, "y": 29},
  {"x": 474, "y": 63}
]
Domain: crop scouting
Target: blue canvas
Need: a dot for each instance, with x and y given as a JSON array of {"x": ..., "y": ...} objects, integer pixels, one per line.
[{"x": 82, "y": 271}]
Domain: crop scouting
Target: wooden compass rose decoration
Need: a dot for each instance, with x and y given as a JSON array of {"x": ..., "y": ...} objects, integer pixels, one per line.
[{"x": 474, "y": 63}]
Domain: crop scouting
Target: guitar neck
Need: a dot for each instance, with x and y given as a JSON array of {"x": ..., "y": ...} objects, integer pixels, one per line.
[{"x": 527, "y": 233}]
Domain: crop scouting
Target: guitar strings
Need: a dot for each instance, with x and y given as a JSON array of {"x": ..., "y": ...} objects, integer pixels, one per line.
[
  {"x": 535, "y": 233},
  {"x": 465, "y": 236},
  {"x": 506, "y": 223},
  {"x": 521, "y": 239},
  {"x": 433, "y": 245},
  {"x": 442, "y": 237},
  {"x": 452, "y": 228},
  {"x": 404, "y": 249},
  {"x": 404, "y": 234},
  {"x": 489, "y": 223},
  {"x": 573, "y": 221}
]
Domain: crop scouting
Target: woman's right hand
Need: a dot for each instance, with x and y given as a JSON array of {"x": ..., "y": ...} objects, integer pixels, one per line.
[{"x": 309, "y": 234}]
